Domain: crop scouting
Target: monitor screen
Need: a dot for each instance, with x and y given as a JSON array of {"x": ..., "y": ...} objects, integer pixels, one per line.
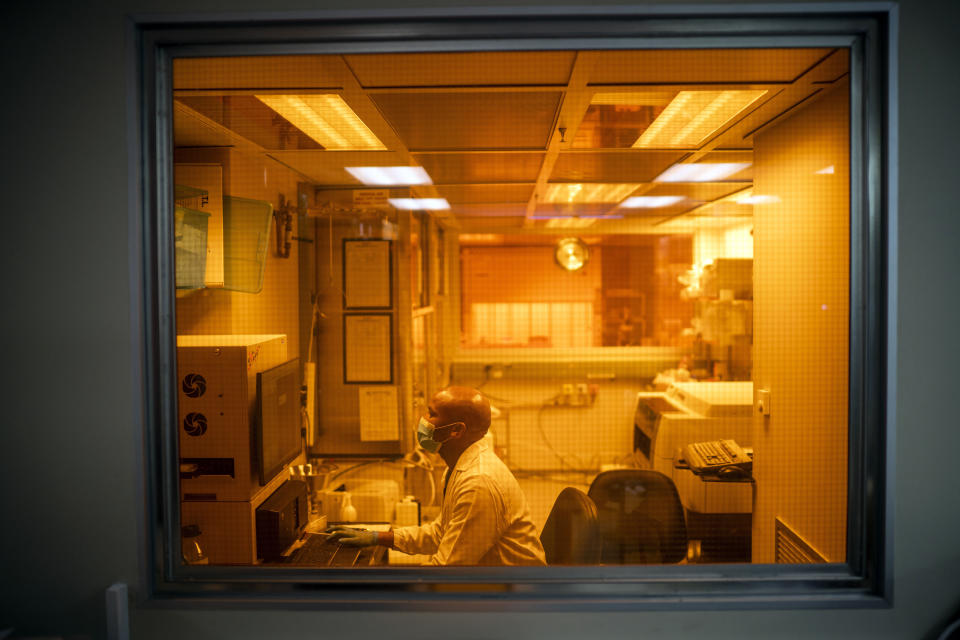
[{"x": 278, "y": 418}]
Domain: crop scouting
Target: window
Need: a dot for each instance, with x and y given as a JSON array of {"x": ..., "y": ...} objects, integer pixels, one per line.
[{"x": 649, "y": 255}]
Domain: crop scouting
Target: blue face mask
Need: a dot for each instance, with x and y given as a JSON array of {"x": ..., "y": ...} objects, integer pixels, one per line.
[{"x": 425, "y": 432}]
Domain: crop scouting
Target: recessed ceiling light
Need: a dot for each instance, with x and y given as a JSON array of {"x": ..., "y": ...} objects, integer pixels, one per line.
[
  {"x": 650, "y": 202},
  {"x": 701, "y": 171},
  {"x": 579, "y": 193},
  {"x": 694, "y": 116},
  {"x": 390, "y": 176},
  {"x": 419, "y": 204},
  {"x": 327, "y": 119}
]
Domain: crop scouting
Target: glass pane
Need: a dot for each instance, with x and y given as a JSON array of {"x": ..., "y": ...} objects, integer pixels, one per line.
[{"x": 643, "y": 313}]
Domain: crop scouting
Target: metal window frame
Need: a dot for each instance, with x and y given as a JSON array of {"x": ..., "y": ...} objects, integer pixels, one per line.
[{"x": 865, "y": 580}]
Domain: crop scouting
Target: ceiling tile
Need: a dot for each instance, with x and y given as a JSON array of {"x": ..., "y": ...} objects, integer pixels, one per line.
[
  {"x": 703, "y": 65},
  {"x": 327, "y": 167},
  {"x": 258, "y": 72},
  {"x": 697, "y": 192},
  {"x": 613, "y": 166},
  {"x": 191, "y": 131},
  {"x": 486, "y": 194},
  {"x": 586, "y": 209},
  {"x": 489, "y": 210},
  {"x": 463, "y": 69},
  {"x": 250, "y": 118},
  {"x": 464, "y": 168},
  {"x": 471, "y": 120}
]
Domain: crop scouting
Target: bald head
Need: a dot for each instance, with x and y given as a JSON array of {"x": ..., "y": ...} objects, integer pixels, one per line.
[{"x": 463, "y": 404}]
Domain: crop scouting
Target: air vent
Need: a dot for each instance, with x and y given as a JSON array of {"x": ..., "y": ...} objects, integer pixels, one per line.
[
  {"x": 791, "y": 548},
  {"x": 194, "y": 385},
  {"x": 195, "y": 424}
]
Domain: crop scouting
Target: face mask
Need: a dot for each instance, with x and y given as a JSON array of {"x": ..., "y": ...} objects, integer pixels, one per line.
[{"x": 425, "y": 432}]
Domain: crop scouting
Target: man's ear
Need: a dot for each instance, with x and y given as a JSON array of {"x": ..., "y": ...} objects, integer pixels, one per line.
[{"x": 457, "y": 429}]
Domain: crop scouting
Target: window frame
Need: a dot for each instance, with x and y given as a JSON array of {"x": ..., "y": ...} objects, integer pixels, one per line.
[{"x": 865, "y": 580}]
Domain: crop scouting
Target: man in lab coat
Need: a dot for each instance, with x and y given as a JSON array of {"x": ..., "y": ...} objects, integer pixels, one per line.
[{"x": 484, "y": 517}]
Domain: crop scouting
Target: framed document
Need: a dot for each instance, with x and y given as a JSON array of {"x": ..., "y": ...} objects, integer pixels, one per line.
[
  {"x": 367, "y": 348},
  {"x": 367, "y": 274}
]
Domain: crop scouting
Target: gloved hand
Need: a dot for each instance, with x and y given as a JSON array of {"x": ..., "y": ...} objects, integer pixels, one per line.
[{"x": 352, "y": 537}]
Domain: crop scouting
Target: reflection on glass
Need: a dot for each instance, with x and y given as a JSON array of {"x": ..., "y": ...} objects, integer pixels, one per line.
[{"x": 673, "y": 387}]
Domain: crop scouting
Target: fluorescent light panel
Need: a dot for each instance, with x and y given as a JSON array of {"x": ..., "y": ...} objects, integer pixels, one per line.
[
  {"x": 580, "y": 193},
  {"x": 327, "y": 119},
  {"x": 419, "y": 204},
  {"x": 694, "y": 116},
  {"x": 701, "y": 171},
  {"x": 390, "y": 176},
  {"x": 650, "y": 202}
]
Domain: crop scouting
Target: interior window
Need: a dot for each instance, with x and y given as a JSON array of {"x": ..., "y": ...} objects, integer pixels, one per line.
[{"x": 640, "y": 258}]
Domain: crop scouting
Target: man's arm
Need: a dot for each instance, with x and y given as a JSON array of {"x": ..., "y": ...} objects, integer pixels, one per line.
[
  {"x": 423, "y": 539},
  {"x": 473, "y": 528}
]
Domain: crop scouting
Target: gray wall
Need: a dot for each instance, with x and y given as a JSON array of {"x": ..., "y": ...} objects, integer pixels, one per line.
[{"x": 69, "y": 494}]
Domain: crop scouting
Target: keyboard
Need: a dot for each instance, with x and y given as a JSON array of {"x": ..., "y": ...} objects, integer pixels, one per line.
[{"x": 318, "y": 551}]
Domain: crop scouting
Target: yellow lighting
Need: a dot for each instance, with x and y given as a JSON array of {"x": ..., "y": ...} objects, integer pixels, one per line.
[
  {"x": 694, "y": 116},
  {"x": 586, "y": 193},
  {"x": 569, "y": 223},
  {"x": 571, "y": 254},
  {"x": 327, "y": 119}
]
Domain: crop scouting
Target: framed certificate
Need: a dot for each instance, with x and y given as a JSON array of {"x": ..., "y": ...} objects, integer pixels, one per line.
[
  {"x": 367, "y": 348},
  {"x": 367, "y": 274}
]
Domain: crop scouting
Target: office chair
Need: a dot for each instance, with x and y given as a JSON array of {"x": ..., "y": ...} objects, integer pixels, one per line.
[
  {"x": 571, "y": 534},
  {"x": 641, "y": 518}
]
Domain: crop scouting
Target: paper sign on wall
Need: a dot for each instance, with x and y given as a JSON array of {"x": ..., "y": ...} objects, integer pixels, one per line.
[{"x": 378, "y": 414}]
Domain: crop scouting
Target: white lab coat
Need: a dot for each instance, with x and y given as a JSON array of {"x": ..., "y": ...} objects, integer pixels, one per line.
[{"x": 484, "y": 518}]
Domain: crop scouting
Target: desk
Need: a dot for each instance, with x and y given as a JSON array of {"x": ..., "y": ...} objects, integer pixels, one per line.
[{"x": 719, "y": 515}]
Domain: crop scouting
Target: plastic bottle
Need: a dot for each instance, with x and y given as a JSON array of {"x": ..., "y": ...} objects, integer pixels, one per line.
[{"x": 349, "y": 512}]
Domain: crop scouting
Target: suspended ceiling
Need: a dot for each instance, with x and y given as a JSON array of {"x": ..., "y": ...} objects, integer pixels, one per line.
[{"x": 496, "y": 131}]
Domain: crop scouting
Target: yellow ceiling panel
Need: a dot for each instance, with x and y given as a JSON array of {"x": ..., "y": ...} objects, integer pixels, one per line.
[
  {"x": 695, "y": 192},
  {"x": 703, "y": 65},
  {"x": 613, "y": 166},
  {"x": 192, "y": 131},
  {"x": 500, "y": 68},
  {"x": 251, "y": 119},
  {"x": 464, "y": 168},
  {"x": 258, "y": 72},
  {"x": 471, "y": 120},
  {"x": 486, "y": 194},
  {"x": 489, "y": 210}
]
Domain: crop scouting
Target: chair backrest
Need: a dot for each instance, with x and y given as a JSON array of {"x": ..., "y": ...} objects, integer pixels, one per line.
[
  {"x": 641, "y": 517},
  {"x": 571, "y": 534}
]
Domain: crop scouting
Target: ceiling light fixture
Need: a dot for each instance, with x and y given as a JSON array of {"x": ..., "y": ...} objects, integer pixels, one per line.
[
  {"x": 327, "y": 119},
  {"x": 692, "y": 117},
  {"x": 701, "y": 171},
  {"x": 571, "y": 254},
  {"x": 650, "y": 202},
  {"x": 419, "y": 204},
  {"x": 390, "y": 176},
  {"x": 584, "y": 193}
]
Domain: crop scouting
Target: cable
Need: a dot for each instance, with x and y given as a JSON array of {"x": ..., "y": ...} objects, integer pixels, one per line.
[
  {"x": 421, "y": 463},
  {"x": 546, "y": 440}
]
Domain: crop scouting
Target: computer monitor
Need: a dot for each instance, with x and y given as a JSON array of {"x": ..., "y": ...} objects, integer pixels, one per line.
[{"x": 277, "y": 431}]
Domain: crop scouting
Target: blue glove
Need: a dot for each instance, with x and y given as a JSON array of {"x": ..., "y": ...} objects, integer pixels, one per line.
[{"x": 352, "y": 537}]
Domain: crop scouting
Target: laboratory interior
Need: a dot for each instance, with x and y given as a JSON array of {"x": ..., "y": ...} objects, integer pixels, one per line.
[{"x": 640, "y": 257}]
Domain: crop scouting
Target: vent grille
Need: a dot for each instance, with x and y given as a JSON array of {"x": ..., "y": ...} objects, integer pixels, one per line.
[{"x": 791, "y": 548}]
